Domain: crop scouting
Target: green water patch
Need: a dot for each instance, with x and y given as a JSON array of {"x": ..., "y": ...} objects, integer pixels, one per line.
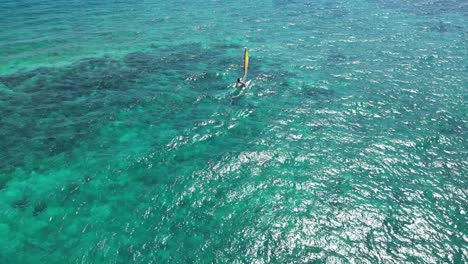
[
  {"x": 349, "y": 145},
  {"x": 61, "y": 107}
]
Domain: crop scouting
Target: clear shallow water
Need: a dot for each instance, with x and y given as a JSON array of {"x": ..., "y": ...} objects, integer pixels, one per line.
[{"x": 120, "y": 141}]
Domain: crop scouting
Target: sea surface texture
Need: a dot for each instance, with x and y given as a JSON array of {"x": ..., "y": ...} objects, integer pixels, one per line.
[{"x": 123, "y": 141}]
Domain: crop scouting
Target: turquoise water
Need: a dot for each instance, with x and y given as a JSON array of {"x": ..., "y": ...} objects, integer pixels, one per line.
[{"x": 121, "y": 142}]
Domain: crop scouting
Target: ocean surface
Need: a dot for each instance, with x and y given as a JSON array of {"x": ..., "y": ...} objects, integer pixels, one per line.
[{"x": 123, "y": 141}]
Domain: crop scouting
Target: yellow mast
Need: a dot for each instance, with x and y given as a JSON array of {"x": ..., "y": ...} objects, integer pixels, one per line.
[{"x": 246, "y": 64}]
